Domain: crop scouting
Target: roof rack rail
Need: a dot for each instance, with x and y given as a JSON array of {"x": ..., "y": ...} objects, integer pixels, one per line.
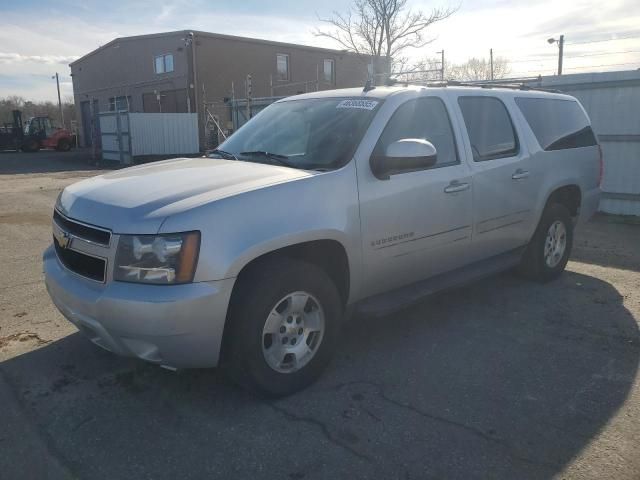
[{"x": 511, "y": 83}]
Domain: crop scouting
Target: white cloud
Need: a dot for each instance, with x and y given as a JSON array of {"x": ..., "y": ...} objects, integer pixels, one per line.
[
  {"x": 515, "y": 29},
  {"x": 6, "y": 57}
]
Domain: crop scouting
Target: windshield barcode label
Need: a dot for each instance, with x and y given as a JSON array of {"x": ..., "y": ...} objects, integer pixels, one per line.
[{"x": 363, "y": 104}]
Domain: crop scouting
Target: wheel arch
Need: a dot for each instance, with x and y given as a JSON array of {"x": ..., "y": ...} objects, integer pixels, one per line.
[
  {"x": 569, "y": 195},
  {"x": 312, "y": 251},
  {"x": 328, "y": 254}
]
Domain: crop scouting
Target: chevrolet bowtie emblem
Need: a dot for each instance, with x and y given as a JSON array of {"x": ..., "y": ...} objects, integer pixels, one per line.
[{"x": 63, "y": 238}]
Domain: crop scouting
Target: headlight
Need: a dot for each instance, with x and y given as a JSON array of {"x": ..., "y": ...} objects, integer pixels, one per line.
[{"x": 163, "y": 259}]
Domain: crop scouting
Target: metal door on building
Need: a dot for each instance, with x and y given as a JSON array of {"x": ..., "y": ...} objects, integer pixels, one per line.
[
  {"x": 116, "y": 138},
  {"x": 90, "y": 123}
]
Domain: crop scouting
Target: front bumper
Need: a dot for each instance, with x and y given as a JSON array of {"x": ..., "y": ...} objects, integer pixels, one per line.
[{"x": 179, "y": 326}]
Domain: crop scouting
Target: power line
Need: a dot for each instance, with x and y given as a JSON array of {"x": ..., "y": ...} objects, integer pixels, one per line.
[
  {"x": 605, "y": 40},
  {"x": 541, "y": 70},
  {"x": 554, "y": 58},
  {"x": 546, "y": 59},
  {"x": 601, "y": 53},
  {"x": 514, "y": 50},
  {"x": 605, "y": 65}
]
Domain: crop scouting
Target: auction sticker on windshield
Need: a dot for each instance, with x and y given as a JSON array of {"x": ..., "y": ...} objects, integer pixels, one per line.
[{"x": 363, "y": 104}]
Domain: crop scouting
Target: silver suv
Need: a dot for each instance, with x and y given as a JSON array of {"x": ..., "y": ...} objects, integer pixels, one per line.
[{"x": 322, "y": 203}]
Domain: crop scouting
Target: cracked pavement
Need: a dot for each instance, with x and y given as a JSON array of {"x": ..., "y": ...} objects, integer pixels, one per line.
[{"x": 500, "y": 379}]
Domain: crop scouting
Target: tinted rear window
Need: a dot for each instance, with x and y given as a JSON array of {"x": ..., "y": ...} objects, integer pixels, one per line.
[{"x": 557, "y": 124}]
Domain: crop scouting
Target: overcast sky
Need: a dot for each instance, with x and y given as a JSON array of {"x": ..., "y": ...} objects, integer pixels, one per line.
[{"x": 39, "y": 38}]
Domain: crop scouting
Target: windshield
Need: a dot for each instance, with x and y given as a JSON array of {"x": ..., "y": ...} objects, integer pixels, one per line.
[{"x": 314, "y": 134}]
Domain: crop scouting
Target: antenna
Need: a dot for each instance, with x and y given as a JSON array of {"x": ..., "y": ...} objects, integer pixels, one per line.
[{"x": 367, "y": 86}]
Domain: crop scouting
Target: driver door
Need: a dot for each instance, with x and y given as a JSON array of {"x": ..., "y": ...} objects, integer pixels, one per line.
[{"x": 416, "y": 224}]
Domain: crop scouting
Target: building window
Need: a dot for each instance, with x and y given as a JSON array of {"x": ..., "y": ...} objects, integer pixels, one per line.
[
  {"x": 119, "y": 103},
  {"x": 329, "y": 71},
  {"x": 282, "y": 64},
  {"x": 163, "y": 63}
]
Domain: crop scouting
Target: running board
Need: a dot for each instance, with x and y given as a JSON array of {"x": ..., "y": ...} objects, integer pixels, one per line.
[{"x": 385, "y": 303}]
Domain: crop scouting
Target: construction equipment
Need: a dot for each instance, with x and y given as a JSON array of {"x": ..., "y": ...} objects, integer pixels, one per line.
[{"x": 36, "y": 133}]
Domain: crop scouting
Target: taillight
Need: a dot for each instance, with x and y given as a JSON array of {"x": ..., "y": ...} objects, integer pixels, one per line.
[{"x": 601, "y": 160}]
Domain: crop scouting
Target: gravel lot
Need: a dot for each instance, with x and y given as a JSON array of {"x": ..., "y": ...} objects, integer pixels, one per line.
[{"x": 501, "y": 379}]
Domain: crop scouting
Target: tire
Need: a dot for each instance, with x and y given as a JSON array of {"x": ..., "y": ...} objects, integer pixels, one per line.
[
  {"x": 544, "y": 262},
  {"x": 64, "y": 145},
  {"x": 32, "y": 145},
  {"x": 271, "y": 290}
]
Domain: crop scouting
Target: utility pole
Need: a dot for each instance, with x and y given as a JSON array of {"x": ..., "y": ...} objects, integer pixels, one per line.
[
  {"x": 560, "y": 53},
  {"x": 59, "y": 100},
  {"x": 441, "y": 64},
  {"x": 560, "y": 42},
  {"x": 249, "y": 95},
  {"x": 491, "y": 61}
]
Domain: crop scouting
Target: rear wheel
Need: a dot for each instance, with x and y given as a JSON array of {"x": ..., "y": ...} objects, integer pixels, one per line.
[
  {"x": 548, "y": 252},
  {"x": 283, "y": 325},
  {"x": 64, "y": 145},
  {"x": 31, "y": 145}
]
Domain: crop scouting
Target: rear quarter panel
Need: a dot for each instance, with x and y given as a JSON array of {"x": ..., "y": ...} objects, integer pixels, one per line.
[{"x": 559, "y": 168}]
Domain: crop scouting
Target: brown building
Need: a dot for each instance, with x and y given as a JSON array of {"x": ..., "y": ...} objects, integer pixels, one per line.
[{"x": 190, "y": 71}]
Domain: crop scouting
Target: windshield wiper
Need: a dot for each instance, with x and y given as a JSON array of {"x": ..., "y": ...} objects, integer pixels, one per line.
[
  {"x": 281, "y": 159},
  {"x": 223, "y": 154}
]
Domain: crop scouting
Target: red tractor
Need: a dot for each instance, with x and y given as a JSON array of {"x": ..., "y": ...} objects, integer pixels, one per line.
[{"x": 37, "y": 132}]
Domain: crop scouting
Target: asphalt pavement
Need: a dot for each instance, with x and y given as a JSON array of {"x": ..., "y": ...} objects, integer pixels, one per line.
[{"x": 502, "y": 379}]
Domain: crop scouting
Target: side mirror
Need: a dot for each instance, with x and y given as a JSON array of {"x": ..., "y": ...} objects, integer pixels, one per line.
[{"x": 406, "y": 155}]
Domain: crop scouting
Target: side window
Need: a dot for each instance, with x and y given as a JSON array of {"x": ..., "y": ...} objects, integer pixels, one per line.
[
  {"x": 119, "y": 103},
  {"x": 329, "y": 70},
  {"x": 282, "y": 66},
  {"x": 425, "y": 118},
  {"x": 158, "y": 64},
  {"x": 168, "y": 63},
  {"x": 557, "y": 124},
  {"x": 163, "y": 63},
  {"x": 490, "y": 129}
]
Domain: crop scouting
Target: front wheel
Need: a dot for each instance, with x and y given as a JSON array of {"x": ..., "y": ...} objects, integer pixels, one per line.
[
  {"x": 283, "y": 326},
  {"x": 548, "y": 252}
]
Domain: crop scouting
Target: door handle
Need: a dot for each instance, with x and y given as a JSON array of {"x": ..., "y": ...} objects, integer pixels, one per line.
[
  {"x": 456, "y": 186},
  {"x": 520, "y": 174}
]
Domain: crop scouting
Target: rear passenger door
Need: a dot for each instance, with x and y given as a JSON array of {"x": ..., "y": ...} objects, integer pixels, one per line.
[{"x": 503, "y": 183}]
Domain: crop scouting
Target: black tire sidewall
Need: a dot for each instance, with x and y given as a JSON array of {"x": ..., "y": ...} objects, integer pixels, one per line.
[
  {"x": 64, "y": 145},
  {"x": 539, "y": 268},
  {"x": 256, "y": 297},
  {"x": 31, "y": 146}
]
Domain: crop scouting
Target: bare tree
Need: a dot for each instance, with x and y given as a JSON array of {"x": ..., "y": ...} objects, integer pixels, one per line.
[
  {"x": 425, "y": 70},
  {"x": 382, "y": 29},
  {"x": 31, "y": 108},
  {"x": 479, "y": 69}
]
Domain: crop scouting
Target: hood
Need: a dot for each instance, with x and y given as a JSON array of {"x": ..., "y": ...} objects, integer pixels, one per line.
[{"x": 138, "y": 199}]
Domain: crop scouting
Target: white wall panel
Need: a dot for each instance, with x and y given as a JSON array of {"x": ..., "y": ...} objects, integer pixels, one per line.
[
  {"x": 164, "y": 133},
  {"x": 612, "y": 100}
]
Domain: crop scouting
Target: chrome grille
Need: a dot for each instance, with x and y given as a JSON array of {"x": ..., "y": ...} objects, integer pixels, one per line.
[
  {"x": 84, "y": 265},
  {"x": 82, "y": 230},
  {"x": 81, "y": 248}
]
